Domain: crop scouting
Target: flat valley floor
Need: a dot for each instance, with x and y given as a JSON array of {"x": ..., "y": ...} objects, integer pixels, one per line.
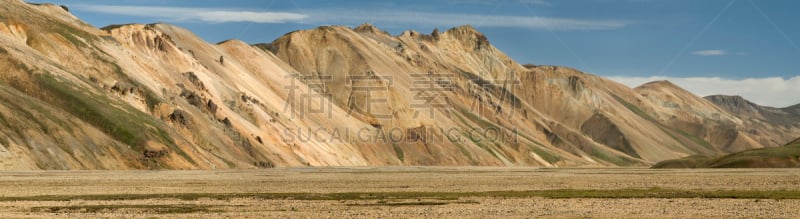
[{"x": 429, "y": 192}]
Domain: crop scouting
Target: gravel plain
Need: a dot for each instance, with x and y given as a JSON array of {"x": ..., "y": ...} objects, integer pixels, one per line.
[{"x": 362, "y": 192}]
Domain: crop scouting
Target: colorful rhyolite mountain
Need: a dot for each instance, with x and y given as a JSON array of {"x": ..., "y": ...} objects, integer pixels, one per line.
[{"x": 156, "y": 96}]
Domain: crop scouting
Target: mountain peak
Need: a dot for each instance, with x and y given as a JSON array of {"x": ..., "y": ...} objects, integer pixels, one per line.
[
  {"x": 365, "y": 26},
  {"x": 128, "y": 25},
  {"x": 465, "y": 28},
  {"x": 51, "y": 5},
  {"x": 469, "y": 35},
  {"x": 327, "y": 29},
  {"x": 730, "y": 99},
  {"x": 663, "y": 85},
  {"x": 369, "y": 28},
  {"x": 149, "y": 26},
  {"x": 465, "y": 31},
  {"x": 736, "y": 104},
  {"x": 435, "y": 33},
  {"x": 529, "y": 66},
  {"x": 666, "y": 83}
]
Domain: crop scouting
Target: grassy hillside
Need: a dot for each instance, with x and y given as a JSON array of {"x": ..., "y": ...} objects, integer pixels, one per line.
[
  {"x": 694, "y": 161},
  {"x": 780, "y": 157}
]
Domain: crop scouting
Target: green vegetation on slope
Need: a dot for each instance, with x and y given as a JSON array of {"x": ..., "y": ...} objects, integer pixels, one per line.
[
  {"x": 777, "y": 157},
  {"x": 399, "y": 152},
  {"x": 694, "y": 161},
  {"x": 612, "y": 158},
  {"x": 545, "y": 154},
  {"x": 695, "y": 139},
  {"x": 150, "y": 98},
  {"x": 71, "y": 34},
  {"x": 123, "y": 123},
  {"x": 118, "y": 120},
  {"x": 669, "y": 131}
]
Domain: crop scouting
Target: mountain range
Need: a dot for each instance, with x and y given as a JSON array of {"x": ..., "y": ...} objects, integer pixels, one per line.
[{"x": 156, "y": 96}]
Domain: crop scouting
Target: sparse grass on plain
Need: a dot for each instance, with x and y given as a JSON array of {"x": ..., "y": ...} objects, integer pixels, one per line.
[{"x": 403, "y": 191}]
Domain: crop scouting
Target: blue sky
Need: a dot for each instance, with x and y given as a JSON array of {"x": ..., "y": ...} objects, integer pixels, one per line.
[{"x": 734, "y": 47}]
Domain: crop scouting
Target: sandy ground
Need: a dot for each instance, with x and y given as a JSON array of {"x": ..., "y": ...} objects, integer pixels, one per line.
[{"x": 393, "y": 179}]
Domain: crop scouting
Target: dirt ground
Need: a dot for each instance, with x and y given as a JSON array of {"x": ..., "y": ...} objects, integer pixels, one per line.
[{"x": 393, "y": 192}]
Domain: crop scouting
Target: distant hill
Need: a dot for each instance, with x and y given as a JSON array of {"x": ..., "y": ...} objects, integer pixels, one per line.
[
  {"x": 778, "y": 157},
  {"x": 789, "y": 116}
]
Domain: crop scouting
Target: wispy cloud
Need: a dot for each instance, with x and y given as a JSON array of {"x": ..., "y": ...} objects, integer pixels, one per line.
[
  {"x": 352, "y": 16},
  {"x": 195, "y": 14},
  {"x": 535, "y": 2},
  {"x": 495, "y": 2},
  {"x": 768, "y": 91},
  {"x": 711, "y": 52}
]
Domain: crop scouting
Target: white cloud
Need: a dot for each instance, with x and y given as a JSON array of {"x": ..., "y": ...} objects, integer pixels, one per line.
[
  {"x": 769, "y": 91},
  {"x": 353, "y": 17},
  {"x": 195, "y": 14},
  {"x": 712, "y": 52}
]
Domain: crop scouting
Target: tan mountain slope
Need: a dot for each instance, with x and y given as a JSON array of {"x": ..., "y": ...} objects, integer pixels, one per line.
[
  {"x": 157, "y": 96},
  {"x": 407, "y": 65},
  {"x": 142, "y": 96},
  {"x": 581, "y": 114},
  {"x": 605, "y": 111}
]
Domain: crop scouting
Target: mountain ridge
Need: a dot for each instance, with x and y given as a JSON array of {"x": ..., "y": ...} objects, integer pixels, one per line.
[
  {"x": 156, "y": 96},
  {"x": 744, "y": 108}
]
